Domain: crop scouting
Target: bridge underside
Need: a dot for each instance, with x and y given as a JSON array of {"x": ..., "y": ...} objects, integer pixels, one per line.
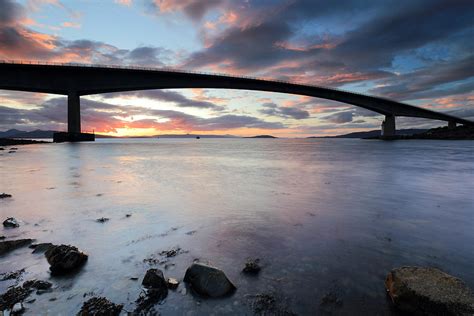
[{"x": 75, "y": 81}]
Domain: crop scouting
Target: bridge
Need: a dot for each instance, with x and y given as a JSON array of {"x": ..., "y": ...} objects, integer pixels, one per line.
[{"x": 75, "y": 80}]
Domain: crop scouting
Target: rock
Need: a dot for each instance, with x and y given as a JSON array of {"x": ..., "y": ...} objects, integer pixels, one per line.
[
  {"x": 1, "y": 148},
  {"x": 155, "y": 280},
  {"x": 102, "y": 220},
  {"x": 252, "y": 266},
  {"x": 18, "y": 309},
  {"x": 5, "y": 195},
  {"x": 100, "y": 306},
  {"x": 429, "y": 291},
  {"x": 10, "y": 245},
  {"x": 37, "y": 284},
  {"x": 14, "y": 148},
  {"x": 11, "y": 222},
  {"x": 11, "y": 275},
  {"x": 12, "y": 296},
  {"x": 11, "y": 151},
  {"x": 268, "y": 304},
  {"x": 2, "y": 237},
  {"x": 39, "y": 248},
  {"x": 172, "y": 283},
  {"x": 128, "y": 215},
  {"x": 64, "y": 259},
  {"x": 146, "y": 301},
  {"x": 208, "y": 281}
]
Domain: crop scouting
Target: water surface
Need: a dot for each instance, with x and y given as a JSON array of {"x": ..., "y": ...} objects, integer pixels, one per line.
[{"x": 323, "y": 215}]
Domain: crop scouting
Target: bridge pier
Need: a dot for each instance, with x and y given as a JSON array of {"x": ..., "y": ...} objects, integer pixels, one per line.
[
  {"x": 73, "y": 133},
  {"x": 388, "y": 127},
  {"x": 451, "y": 124},
  {"x": 73, "y": 112}
]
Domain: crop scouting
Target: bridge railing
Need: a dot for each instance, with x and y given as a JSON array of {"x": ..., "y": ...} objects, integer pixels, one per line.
[{"x": 168, "y": 69}]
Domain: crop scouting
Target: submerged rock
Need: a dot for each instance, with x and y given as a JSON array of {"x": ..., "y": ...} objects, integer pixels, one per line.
[
  {"x": 5, "y": 195},
  {"x": 268, "y": 304},
  {"x": 10, "y": 245},
  {"x": 12, "y": 275},
  {"x": 11, "y": 222},
  {"x": 208, "y": 281},
  {"x": 14, "y": 295},
  {"x": 100, "y": 306},
  {"x": 38, "y": 284},
  {"x": 64, "y": 259},
  {"x": 429, "y": 291},
  {"x": 18, "y": 308},
  {"x": 39, "y": 248},
  {"x": 252, "y": 266},
  {"x": 146, "y": 301},
  {"x": 102, "y": 220}
]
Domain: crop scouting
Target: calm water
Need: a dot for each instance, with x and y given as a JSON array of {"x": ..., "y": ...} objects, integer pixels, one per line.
[{"x": 322, "y": 215}]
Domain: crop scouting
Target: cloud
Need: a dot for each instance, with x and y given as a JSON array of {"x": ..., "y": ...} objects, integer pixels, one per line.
[
  {"x": 106, "y": 117},
  {"x": 195, "y": 9},
  {"x": 340, "y": 117},
  {"x": 271, "y": 109},
  {"x": 168, "y": 96}
]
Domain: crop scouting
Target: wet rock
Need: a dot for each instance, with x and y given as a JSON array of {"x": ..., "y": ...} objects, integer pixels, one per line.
[
  {"x": 64, "y": 259},
  {"x": 208, "y": 281},
  {"x": 5, "y": 195},
  {"x": 172, "y": 283},
  {"x": 172, "y": 252},
  {"x": 40, "y": 248},
  {"x": 1, "y": 148},
  {"x": 155, "y": 280},
  {"x": 14, "y": 148},
  {"x": 12, "y": 275},
  {"x": 146, "y": 301},
  {"x": 128, "y": 215},
  {"x": 102, "y": 220},
  {"x": 100, "y": 306},
  {"x": 252, "y": 266},
  {"x": 429, "y": 291},
  {"x": 11, "y": 151},
  {"x": 12, "y": 296},
  {"x": 37, "y": 284},
  {"x": 10, "y": 245},
  {"x": 2, "y": 237},
  {"x": 11, "y": 223}
]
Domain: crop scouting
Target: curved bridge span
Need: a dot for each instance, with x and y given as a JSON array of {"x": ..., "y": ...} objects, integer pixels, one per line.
[{"x": 75, "y": 80}]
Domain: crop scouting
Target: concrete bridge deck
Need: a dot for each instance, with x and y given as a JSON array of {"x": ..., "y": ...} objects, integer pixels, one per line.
[{"x": 75, "y": 80}]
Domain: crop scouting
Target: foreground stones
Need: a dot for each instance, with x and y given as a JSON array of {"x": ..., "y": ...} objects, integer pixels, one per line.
[
  {"x": 156, "y": 291},
  {"x": 100, "y": 306},
  {"x": 429, "y": 291},
  {"x": 65, "y": 259},
  {"x": 13, "y": 296},
  {"x": 10, "y": 245},
  {"x": 39, "y": 248},
  {"x": 11, "y": 223},
  {"x": 37, "y": 284},
  {"x": 252, "y": 266},
  {"x": 208, "y": 281}
]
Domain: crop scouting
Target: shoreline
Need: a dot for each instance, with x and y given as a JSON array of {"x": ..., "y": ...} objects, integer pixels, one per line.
[{"x": 14, "y": 142}]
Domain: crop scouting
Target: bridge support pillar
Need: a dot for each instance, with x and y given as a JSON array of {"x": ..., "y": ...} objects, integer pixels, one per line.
[
  {"x": 388, "y": 127},
  {"x": 73, "y": 133},
  {"x": 451, "y": 124},
  {"x": 73, "y": 112}
]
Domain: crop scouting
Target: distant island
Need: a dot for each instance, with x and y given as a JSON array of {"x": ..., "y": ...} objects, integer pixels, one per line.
[
  {"x": 261, "y": 136},
  {"x": 373, "y": 133},
  {"x": 457, "y": 133}
]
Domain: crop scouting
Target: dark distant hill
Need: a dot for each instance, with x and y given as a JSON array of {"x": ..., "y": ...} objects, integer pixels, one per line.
[
  {"x": 14, "y": 133},
  {"x": 262, "y": 136},
  {"x": 374, "y": 133}
]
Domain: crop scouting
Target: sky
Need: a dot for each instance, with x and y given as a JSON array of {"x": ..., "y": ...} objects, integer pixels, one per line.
[{"x": 420, "y": 52}]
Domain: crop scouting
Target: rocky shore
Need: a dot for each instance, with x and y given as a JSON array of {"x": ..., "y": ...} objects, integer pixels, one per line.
[{"x": 14, "y": 142}]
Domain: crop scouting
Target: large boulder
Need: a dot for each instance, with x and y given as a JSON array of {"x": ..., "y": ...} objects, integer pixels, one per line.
[
  {"x": 100, "y": 306},
  {"x": 64, "y": 259},
  {"x": 10, "y": 245},
  {"x": 208, "y": 281},
  {"x": 429, "y": 291}
]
